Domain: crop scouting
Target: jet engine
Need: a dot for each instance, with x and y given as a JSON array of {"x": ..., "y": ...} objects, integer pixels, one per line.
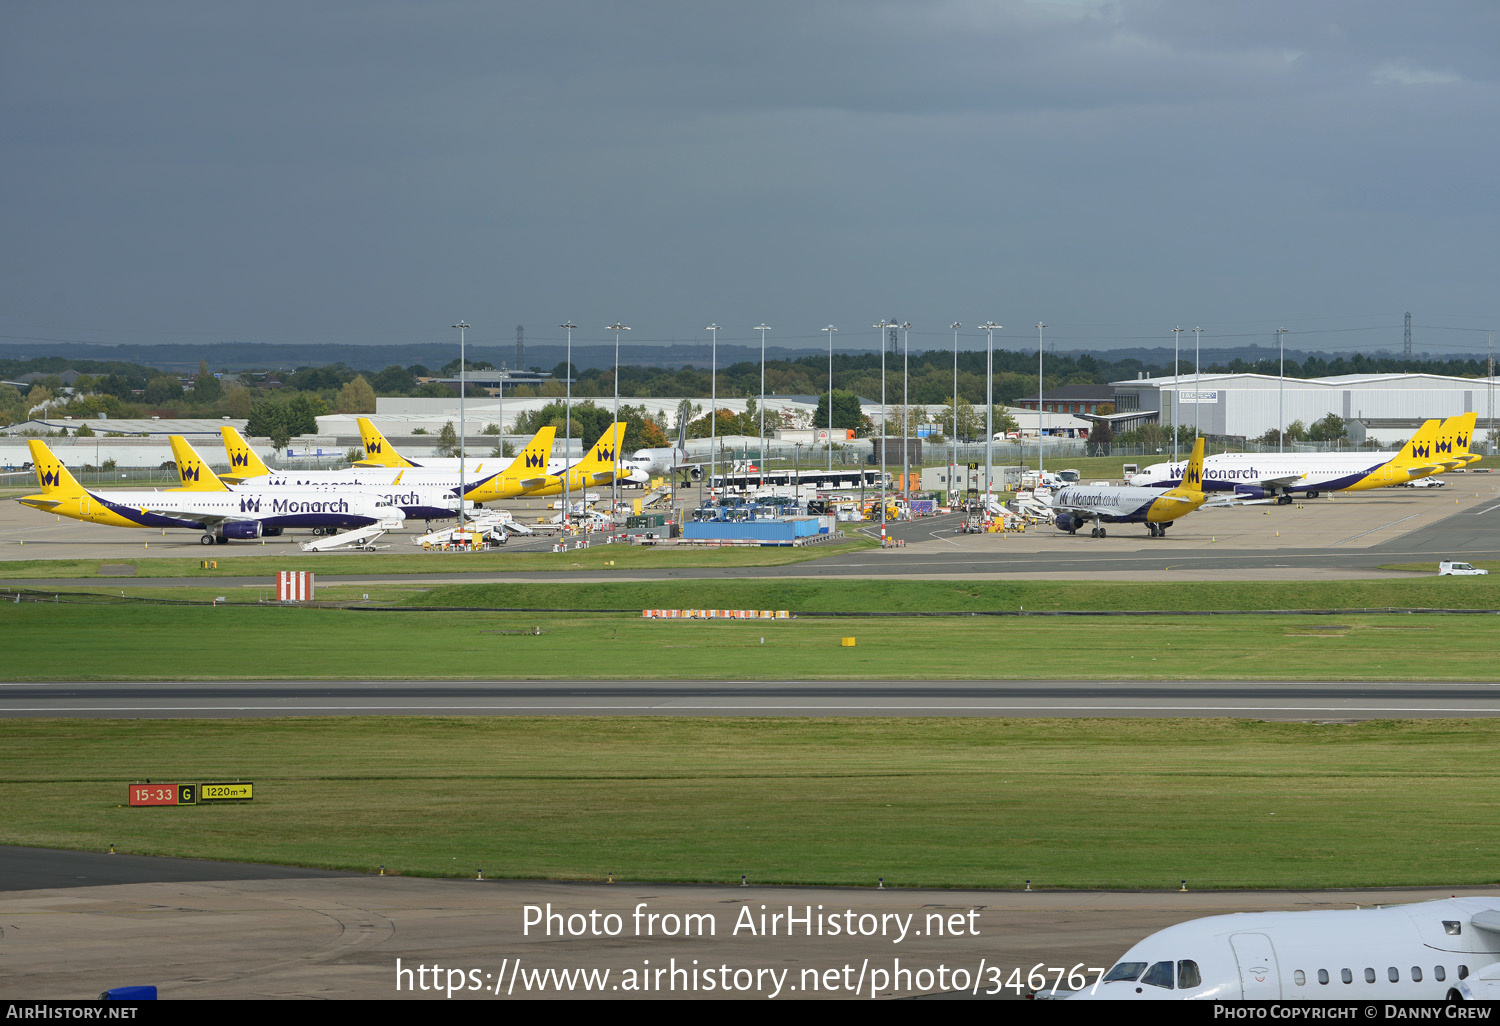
[{"x": 241, "y": 530}]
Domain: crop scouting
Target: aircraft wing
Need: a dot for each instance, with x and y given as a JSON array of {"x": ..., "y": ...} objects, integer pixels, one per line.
[
  {"x": 1277, "y": 482},
  {"x": 212, "y": 519}
]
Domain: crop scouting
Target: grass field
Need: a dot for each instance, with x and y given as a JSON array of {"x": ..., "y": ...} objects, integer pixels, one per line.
[
  {"x": 973, "y": 803},
  {"x": 624, "y": 557},
  {"x": 148, "y": 642}
]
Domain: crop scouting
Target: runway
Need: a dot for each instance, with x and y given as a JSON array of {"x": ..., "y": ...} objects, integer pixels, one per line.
[{"x": 1294, "y": 701}]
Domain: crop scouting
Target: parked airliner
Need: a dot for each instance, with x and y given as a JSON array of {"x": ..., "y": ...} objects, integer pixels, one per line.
[
  {"x": 1435, "y": 447},
  {"x": 1105, "y": 504},
  {"x": 221, "y": 516},
  {"x": 523, "y": 472},
  {"x": 1447, "y": 950}
]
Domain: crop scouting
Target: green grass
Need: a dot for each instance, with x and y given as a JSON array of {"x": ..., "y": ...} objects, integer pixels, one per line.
[
  {"x": 624, "y": 557},
  {"x": 930, "y": 802},
  {"x": 148, "y": 642},
  {"x": 904, "y": 595}
]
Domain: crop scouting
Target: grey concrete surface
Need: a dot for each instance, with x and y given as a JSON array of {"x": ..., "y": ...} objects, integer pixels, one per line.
[{"x": 341, "y": 936}]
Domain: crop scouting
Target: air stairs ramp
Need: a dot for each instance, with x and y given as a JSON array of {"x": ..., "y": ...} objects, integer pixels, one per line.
[{"x": 359, "y": 538}]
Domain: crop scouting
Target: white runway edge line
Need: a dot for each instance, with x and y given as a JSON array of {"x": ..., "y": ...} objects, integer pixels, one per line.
[{"x": 1347, "y": 707}]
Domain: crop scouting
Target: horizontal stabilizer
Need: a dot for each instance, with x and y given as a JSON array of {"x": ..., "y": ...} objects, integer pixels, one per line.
[{"x": 1488, "y": 920}]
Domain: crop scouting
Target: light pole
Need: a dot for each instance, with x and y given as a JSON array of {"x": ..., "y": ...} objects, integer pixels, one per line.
[
  {"x": 988, "y": 327},
  {"x": 830, "y": 329},
  {"x": 1041, "y": 463},
  {"x": 1281, "y": 388},
  {"x": 567, "y": 433},
  {"x": 882, "y": 326},
  {"x": 462, "y": 327},
  {"x": 713, "y": 409},
  {"x": 614, "y": 483},
  {"x": 762, "y": 328},
  {"x": 1197, "y": 380},
  {"x": 953, "y": 442},
  {"x": 1176, "y": 397},
  {"x": 905, "y": 409}
]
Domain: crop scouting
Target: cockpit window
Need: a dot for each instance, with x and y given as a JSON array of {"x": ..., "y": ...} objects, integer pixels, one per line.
[
  {"x": 1188, "y": 976},
  {"x": 1124, "y": 971},
  {"x": 1159, "y": 975}
]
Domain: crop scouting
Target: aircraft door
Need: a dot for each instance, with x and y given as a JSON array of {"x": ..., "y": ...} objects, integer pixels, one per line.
[{"x": 1260, "y": 977}]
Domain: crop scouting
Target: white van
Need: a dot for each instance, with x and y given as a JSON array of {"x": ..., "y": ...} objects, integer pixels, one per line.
[{"x": 1448, "y": 568}]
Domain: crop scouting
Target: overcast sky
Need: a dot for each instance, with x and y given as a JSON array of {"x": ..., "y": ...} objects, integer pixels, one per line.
[{"x": 373, "y": 171}]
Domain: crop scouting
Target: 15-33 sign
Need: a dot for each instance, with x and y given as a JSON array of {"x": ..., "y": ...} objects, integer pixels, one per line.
[{"x": 191, "y": 794}]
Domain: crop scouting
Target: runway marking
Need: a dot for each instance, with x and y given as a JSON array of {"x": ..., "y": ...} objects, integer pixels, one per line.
[
  {"x": 1382, "y": 527},
  {"x": 1482, "y": 512},
  {"x": 669, "y": 705}
]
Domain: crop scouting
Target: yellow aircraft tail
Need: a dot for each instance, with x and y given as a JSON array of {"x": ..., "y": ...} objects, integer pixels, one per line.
[
  {"x": 243, "y": 462},
  {"x": 55, "y": 480},
  {"x": 1420, "y": 448},
  {"x": 600, "y": 464},
  {"x": 532, "y": 462},
  {"x": 527, "y": 470},
  {"x": 1454, "y": 438},
  {"x": 378, "y": 451},
  {"x": 1192, "y": 475},
  {"x": 192, "y": 471}
]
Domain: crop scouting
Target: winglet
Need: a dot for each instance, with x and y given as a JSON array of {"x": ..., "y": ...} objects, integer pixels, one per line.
[
  {"x": 378, "y": 451},
  {"x": 191, "y": 470},
  {"x": 243, "y": 462}
]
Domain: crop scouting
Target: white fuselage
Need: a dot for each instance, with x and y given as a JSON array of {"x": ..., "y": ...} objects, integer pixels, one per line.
[
  {"x": 1423, "y": 951},
  {"x": 1324, "y": 471}
]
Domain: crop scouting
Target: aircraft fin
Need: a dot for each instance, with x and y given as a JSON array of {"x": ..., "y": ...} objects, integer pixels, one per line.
[
  {"x": 194, "y": 474},
  {"x": 378, "y": 451},
  {"x": 1419, "y": 448},
  {"x": 604, "y": 455},
  {"x": 243, "y": 462},
  {"x": 1192, "y": 475},
  {"x": 53, "y": 477},
  {"x": 534, "y": 454}
]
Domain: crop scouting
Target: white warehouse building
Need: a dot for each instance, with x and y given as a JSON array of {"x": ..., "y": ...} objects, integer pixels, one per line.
[{"x": 1385, "y": 407}]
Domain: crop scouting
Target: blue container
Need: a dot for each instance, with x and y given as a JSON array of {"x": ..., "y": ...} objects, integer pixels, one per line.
[{"x": 750, "y": 530}]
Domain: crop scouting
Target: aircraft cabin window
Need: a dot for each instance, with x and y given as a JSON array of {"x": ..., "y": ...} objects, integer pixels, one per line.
[
  {"x": 1452, "y": 927},
  {"x": 1439, "y": 973},
  {"x": 1159, "y": 975},
  {"x": 1463, "y": 972},
  {"x": 1188, "y": 976},
  {"x": 1347, "y": 975},
  {"x": 1416, "y": 973},
  {"x": 1369, "y": 975},
  {"x": 1323, "y": 976},
  {"x": 1393, "y": 974},
  {"x": 1124, "y": 971},
  {"x": 1300, "y": 978}
]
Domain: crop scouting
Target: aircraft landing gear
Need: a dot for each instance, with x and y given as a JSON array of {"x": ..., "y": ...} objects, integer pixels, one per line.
[
  {"x": 207, "y": 539},
  {"x": 1097, "y": 532},
  {"x": 1283, "y": 500},
  {"x": 1153, "y": 530}
]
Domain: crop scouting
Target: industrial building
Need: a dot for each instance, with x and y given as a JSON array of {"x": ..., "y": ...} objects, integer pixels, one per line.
[{"x": 1383, "y": 407}]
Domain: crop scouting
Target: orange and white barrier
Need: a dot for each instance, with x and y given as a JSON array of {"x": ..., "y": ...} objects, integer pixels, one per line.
[
  {"x": 294, "y": 586},
  {"x": 715, "y": 614}
]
